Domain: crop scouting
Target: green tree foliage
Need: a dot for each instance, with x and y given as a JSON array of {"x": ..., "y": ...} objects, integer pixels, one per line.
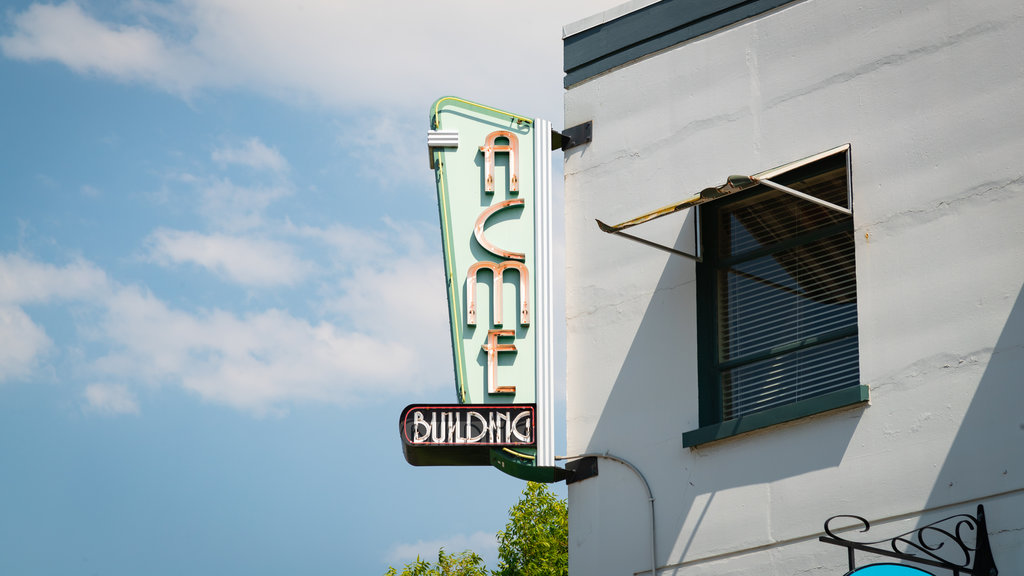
[
  {"x": 535, "y": 542},
  {"x": 465, "y": 564}
]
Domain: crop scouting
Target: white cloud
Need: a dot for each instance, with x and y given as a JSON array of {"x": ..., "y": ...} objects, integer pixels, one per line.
[
  {"x": 347, "y": 54},
  {"x": 21, "y": 343},
  {"x": 258, "y": 362},
  {"x": 399, "y": 295},
  {"x": 28, "y": 282},
  {"x": 394, "y": 285},
  {"x": 484, "y": 544},
  {"x": 394, "y": 340},
  {"x": 110, "y": 399},
  {"x": 349, "y": 245},
  {"x": 252, "y": 153},
  {"x": 24, "y": 281},
  {"x": 246, "y": 261},
  {"x": 384, "y": 331},
  {"x": 385, "y": 155},
  {"x": 66, "y": 34},
  {"x": 228, "y": 206}
]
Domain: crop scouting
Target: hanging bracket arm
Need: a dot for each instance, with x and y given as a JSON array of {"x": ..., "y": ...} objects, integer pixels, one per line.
[
  {"x": 732, "y": 184},
  {"x": 803, "y": 196},
  {"x": 618, "y": 232}
]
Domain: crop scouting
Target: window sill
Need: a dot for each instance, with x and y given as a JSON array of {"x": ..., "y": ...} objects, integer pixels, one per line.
[{"x": 729, "y": 428}]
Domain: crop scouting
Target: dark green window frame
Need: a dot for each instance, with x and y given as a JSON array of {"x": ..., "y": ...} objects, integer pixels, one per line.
[{"x": 802, "y": 260}]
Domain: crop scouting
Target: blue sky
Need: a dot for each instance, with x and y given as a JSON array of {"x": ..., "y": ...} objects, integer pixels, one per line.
[{"x": 221, "y": 279}]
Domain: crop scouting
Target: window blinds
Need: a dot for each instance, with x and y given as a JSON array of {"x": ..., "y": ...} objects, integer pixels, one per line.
[{"x": 786, "y": 293}]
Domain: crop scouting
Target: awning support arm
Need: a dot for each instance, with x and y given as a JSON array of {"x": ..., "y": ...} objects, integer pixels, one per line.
[
  {"x": 733, "y": 184},
  {"x": 803, "y": 196},
  {"x": 612, "y": 230}
]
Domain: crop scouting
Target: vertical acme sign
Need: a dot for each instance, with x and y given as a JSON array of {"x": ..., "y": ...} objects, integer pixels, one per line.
[
  {"x": 493, "y": 172},
  {"x": 486, "y": 194}
]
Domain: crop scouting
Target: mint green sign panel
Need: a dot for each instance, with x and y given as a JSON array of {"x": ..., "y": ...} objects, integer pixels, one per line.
[{"x": 485, "y": 190}]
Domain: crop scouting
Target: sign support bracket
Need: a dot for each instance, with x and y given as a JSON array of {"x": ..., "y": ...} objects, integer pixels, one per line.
[{"x": 572, "y": 137}]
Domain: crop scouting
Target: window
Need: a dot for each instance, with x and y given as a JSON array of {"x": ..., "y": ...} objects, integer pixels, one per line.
[{"x": 777, "y": 301}]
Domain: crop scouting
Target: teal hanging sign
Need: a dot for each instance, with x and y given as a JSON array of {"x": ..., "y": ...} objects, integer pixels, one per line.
[
  {"x": 889, "y": 570},
  {"x": 493, "y": 174}
]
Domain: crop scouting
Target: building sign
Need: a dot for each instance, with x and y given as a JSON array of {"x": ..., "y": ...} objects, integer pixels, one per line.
[
  {"x": 493, "y": 175},
  {"x": 496, "y": 425}
]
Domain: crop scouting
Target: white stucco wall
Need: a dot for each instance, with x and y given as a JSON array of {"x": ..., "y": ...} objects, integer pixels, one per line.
[{"x": 931, "y": 97}]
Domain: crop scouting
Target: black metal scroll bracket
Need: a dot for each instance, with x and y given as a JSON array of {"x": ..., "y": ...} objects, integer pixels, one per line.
[{"x": 931, "y": 545}]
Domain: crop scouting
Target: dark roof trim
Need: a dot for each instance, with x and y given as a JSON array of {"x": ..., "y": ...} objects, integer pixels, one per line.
[{"x": 650, "y": 29}]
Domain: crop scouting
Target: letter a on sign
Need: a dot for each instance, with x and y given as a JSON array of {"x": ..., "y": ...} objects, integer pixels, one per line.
[{"x": 513, "y": 159}]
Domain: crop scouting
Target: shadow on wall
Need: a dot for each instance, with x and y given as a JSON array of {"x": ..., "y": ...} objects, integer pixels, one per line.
[
  {"x": 985, "y": 463},
  {"x": 654, "y": 399}
]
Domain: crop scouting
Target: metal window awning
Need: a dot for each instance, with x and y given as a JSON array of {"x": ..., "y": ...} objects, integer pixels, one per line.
[{"x": 733, "y": 184}]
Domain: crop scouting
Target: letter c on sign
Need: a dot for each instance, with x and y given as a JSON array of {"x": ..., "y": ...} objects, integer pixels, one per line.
[{"x": 478, "y": 230}]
